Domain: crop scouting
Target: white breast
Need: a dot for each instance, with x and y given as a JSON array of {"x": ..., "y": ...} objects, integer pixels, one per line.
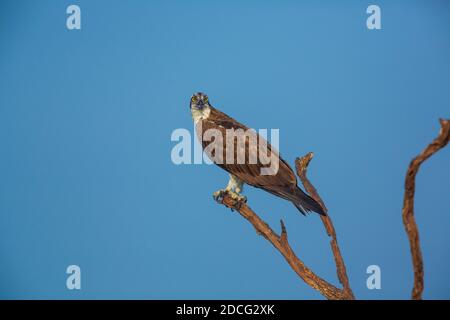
[{"x": 198, "y": 115}]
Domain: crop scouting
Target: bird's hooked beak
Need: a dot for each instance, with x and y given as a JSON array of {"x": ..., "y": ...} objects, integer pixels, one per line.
[{"x": 200, "y": 104}]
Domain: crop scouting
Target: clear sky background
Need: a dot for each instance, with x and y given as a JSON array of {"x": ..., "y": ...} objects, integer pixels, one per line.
[{"x": 86, "y": 118}]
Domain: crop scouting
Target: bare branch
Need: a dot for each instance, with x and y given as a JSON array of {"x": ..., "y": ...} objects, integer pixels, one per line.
[
  {"x": 301, "y": 164},
  {"x": 408, "y": 205},
  {"x": 282, "y": 245}
]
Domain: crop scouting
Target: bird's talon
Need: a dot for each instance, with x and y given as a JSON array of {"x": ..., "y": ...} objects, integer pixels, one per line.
[
  {"x": 218, "y": 195},
  {"x": 238, "y": 198}
]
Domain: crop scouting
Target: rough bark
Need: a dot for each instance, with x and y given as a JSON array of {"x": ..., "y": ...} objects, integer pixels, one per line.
[{"x": 408, "y": 205}]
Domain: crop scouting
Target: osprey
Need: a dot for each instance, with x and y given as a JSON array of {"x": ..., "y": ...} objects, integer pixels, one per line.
[{"x": 240, "y": 157}]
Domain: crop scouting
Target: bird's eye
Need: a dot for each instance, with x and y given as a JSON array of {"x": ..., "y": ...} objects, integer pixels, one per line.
[
  {"x": 205, "y": 99},
  {"x": 194, "y": 99}
]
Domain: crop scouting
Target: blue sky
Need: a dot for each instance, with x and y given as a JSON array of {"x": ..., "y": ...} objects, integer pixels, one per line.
[{"x": 86, "y": 118}]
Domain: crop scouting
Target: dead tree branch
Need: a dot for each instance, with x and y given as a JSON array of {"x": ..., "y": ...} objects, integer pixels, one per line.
[
  {"x": 301, "y": 164},
  {"x": 408, "y": 205},
  {"x": 281, "y": 243}
]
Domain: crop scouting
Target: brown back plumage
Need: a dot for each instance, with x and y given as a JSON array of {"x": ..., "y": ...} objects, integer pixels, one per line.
[{"x": 282, "y": 184}]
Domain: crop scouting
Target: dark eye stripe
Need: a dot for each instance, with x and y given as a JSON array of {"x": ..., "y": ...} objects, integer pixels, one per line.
[{"x": 199, "y": 96}]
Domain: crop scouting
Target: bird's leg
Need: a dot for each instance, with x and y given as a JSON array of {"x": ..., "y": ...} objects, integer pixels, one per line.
[{"x": 234, "y": 188}]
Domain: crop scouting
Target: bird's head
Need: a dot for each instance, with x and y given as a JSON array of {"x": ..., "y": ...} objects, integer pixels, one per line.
[{"x": 199, "y": 101}]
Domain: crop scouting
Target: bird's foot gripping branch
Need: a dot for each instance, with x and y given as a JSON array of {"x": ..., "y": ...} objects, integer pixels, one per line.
[{"x": 235, "y": 199}]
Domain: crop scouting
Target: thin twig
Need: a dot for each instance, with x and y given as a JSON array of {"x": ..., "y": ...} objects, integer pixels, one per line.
[{"x": 408, "y": 205}]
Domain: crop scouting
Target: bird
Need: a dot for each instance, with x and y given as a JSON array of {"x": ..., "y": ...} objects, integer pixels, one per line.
[{"x": 281, "y": 182}]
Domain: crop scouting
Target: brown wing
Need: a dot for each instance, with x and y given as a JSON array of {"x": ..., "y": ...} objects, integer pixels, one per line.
[{"x": 283, "y": 183}]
